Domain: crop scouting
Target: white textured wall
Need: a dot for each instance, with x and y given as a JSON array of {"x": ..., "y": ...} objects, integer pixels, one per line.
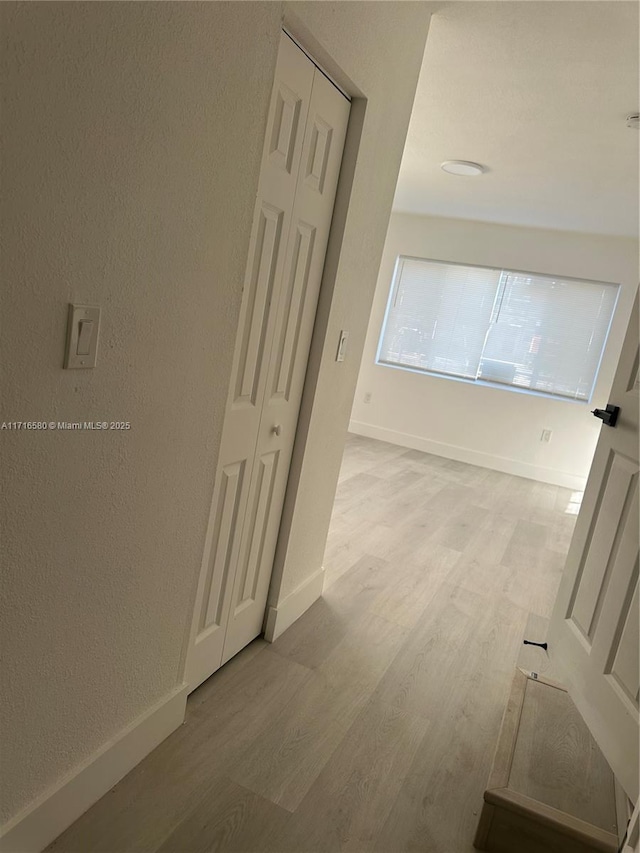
[
  {"x": 133, "y": 139},
  {"x": 133, "y": 143},
  {"x": 493, "y": 427}
]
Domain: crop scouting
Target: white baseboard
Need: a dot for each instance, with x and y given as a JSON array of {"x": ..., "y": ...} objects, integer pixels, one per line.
[
  {"x": 43, "y": 820},
  {"x": 473, "y": 457},
  {"x": 281, "y": 616}
]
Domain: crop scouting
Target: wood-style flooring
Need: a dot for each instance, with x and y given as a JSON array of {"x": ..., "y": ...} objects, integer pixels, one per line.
[{"x": 370, "y": 724}]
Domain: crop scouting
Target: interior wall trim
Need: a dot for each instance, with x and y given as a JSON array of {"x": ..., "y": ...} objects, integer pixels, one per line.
[
  {"x": 284, "y": 614},
  {"x": 472, "y": 457},
  {"x": 43, "y": 820}
]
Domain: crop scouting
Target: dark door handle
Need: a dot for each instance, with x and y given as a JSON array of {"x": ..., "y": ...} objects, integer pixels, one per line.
[{"x": 608, "y": 416}]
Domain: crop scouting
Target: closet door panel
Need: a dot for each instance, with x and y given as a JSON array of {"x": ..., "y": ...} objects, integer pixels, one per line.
[
  {"x": 235, "y": 473},
  {"x": 321, "y": 158}
]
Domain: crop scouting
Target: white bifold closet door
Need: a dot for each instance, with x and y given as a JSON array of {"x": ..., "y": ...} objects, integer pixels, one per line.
[{"x": 301, "y": 160}]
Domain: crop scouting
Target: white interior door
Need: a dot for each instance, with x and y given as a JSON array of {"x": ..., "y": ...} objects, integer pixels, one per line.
[
  {"x": 323, "y": 144},
  {"x": 301, "y": 156},
  {"x": 593, "y": 635}
]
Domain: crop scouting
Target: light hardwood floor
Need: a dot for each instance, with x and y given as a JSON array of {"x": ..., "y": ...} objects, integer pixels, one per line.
[{"x": 371, "y": 723}]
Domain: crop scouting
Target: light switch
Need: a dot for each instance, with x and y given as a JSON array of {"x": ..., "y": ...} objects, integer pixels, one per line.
[
  {"x": 342, "y": 346},
  {"x": 83, "y": 327},
  {"x": 84, "y": 337}
]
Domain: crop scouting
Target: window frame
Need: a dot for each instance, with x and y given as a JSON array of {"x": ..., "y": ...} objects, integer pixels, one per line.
[{"x": 483, "y": 382}]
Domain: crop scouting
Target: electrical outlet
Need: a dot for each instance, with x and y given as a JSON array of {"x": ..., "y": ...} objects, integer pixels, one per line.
[
  {"x": 367, "y": 397},
  {"x": 546, "y": 436}
]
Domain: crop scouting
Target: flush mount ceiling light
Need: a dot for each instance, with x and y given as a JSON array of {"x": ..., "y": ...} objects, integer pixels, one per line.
[
  {"x": 462, "y": 167},
  {"x": 633, "y": 120}
]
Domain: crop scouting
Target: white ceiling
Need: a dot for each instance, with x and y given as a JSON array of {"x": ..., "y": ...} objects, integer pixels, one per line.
[{"x": 538, "y": 93}]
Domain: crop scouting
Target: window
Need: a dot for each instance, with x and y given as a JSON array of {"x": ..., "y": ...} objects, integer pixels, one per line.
[{"x": 534, "y": 332}]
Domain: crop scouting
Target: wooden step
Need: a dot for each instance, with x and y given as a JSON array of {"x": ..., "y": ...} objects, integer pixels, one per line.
[{"x": 550, "y": 788}]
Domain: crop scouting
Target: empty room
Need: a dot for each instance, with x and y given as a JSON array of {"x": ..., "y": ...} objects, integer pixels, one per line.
[{"x": 320, "y": 427}]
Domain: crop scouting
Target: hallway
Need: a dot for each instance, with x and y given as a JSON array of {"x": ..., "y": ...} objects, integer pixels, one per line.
[{"x": 370, "y": 724}]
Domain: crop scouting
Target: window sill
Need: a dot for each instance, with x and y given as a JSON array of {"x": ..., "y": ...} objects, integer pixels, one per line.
[{"x": 496, "y": 386}]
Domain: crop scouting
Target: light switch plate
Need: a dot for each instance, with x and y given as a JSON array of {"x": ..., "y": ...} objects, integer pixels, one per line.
[
  {"x": 342, "y": 346},
  {"x": 83, "y": 327}
]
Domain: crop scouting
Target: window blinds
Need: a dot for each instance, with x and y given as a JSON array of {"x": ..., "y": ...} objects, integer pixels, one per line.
[
  {"x": 438, "y": 317},
  {"x": 529, "y": 331}
]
